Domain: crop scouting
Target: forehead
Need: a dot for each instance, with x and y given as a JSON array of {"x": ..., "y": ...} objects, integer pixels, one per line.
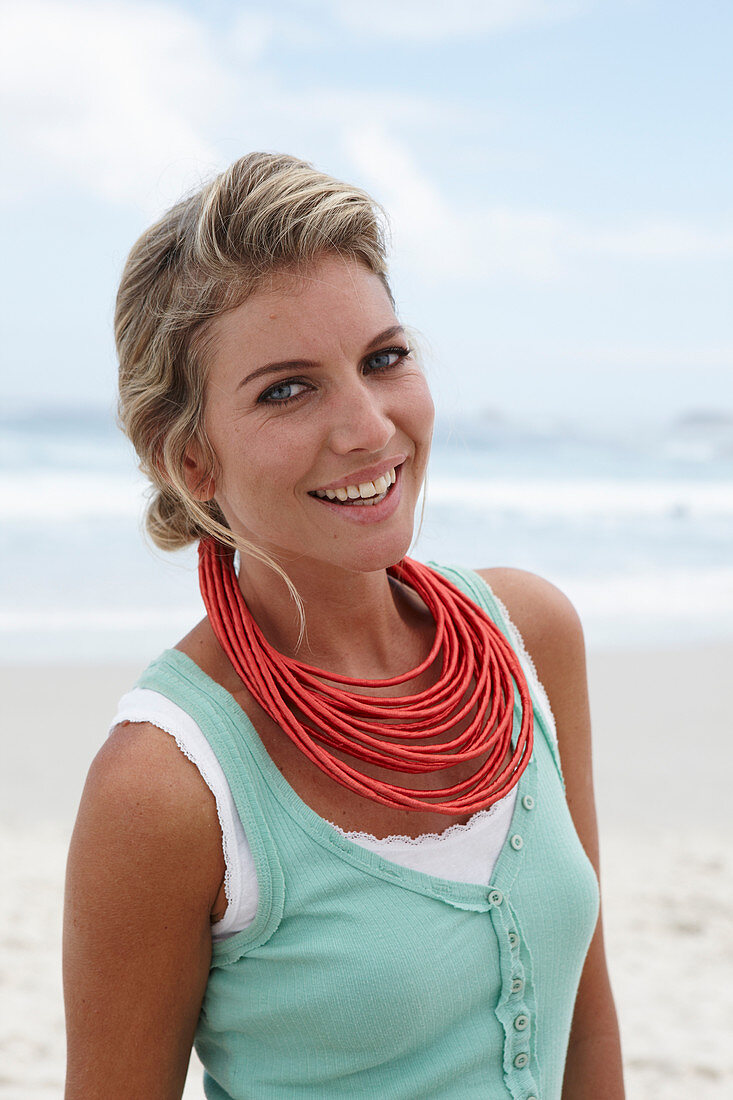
[{"x": 335, "y": 301}]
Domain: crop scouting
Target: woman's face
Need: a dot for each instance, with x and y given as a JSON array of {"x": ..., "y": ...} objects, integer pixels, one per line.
[{"x": 312, "y": 397}]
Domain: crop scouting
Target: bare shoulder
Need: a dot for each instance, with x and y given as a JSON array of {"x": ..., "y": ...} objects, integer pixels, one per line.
[
  {"x": 538, "y": 608},
  {"x": 141, "y": 765},
  {"x": 553, "y": 636},
  {"x": 143, "y": 795}
]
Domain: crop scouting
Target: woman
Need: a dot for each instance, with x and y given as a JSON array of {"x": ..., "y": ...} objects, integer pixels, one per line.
[{"x": 334, "y": 893}]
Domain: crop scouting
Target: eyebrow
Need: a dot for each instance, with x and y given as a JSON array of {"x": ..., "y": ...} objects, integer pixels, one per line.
[{"x": 304, "y": 364}]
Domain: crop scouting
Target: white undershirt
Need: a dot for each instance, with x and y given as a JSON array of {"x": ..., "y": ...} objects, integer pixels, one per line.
[{"x": 463, "y": 853}]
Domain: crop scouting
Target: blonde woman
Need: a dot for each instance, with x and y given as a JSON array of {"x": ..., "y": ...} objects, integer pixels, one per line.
[{"x": 342, "y": 836}]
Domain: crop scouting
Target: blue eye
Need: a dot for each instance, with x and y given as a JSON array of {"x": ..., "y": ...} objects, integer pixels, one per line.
[
  {"x": 390, "y": 357},
  {"x": 282, "y": 393}
]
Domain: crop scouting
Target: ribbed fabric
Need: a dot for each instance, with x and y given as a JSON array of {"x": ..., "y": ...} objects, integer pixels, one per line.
[
  {"x": 359, "y": 977},
  {"x": 465, "y": 852}
]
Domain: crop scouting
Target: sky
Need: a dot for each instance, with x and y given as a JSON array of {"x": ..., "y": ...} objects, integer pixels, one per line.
[{"x": 558, "y": 176}]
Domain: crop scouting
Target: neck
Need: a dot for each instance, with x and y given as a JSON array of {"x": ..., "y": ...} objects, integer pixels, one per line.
[{"x": 365, "y": 625}]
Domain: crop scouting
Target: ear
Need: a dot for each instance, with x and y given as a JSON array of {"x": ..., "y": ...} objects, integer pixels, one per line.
[{"x": 197, "y": 475}]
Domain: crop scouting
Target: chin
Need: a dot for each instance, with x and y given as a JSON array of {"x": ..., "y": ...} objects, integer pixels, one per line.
[{"x": 375, "y": 558}]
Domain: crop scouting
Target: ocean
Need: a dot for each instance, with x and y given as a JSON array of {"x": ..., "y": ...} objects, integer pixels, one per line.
[{"x": 636, "y": 528}]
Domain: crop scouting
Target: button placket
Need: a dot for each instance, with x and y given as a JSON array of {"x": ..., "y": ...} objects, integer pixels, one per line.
[
  {"x": 516, "y": 1000},
  {"x": 516, "y": 1007}
]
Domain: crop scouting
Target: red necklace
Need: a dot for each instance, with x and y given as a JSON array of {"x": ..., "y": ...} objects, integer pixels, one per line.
[{"x": 476, "y": 657}]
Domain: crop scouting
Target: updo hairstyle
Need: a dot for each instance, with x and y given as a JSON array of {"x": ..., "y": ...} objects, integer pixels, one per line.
[{"x": 265, "y": 214}]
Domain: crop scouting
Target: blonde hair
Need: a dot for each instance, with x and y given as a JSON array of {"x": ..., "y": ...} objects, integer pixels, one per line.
[{"x": 266, "y": 213}]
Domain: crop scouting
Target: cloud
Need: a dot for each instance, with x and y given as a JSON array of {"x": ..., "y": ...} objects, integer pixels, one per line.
[
  {"x": 113, "y": 97},
  {"x": 441, "y": 237},
  {"x": 656, "y": 239},
  {"x": 437, "y": 20},
  {"x": 132, "y": 103}
]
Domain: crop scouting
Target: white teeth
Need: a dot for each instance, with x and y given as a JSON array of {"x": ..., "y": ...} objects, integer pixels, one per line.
[{"x": 367, "y": 490}]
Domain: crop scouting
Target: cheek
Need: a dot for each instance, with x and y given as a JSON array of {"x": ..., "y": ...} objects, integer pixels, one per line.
[
  {"x": 258, "y": 471},
  {"x": 421, "y": 412}
]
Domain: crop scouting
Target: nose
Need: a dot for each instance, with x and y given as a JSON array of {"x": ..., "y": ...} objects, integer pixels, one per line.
[{"x": 360, "y": 418}]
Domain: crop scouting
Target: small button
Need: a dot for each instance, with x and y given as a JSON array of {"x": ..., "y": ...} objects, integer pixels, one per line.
[
  {"x": 521, "y": 1060},
  {"x": 517, "y": 985},
  {"x": 513, "y": 939},
  {"x": 528, "y": 803},
  {"x": 496, "y": 897},
  {"x": 516, "y": 842},
  {"x": 521, "y": 1022},
  {"x": 531, "y": 1098}
]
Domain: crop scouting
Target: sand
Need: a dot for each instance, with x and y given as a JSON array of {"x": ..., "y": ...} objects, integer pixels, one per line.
[{"x": 662, "y": 759}]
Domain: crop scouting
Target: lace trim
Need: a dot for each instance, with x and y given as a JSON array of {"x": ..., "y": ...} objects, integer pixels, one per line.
[{"x": 418, "y": 841}]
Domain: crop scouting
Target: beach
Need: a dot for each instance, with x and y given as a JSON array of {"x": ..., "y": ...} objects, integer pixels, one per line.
[{"x": 662, "y": 759}]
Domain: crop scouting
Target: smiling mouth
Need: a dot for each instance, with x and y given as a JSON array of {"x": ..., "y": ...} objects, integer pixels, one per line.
[{"x": 367, "y": 493}]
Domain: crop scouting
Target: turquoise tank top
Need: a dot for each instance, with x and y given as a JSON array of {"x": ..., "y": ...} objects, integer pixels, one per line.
[{"x": 360, "y": 977}]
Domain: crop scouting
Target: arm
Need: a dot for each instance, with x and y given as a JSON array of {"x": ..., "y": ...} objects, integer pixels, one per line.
[
  {"x": 553, "y": 636},
  {"x": 145, "y": 867}
]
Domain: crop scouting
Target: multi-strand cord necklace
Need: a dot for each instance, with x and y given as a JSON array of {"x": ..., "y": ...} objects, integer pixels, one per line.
[{"x": 316, "y": 709}]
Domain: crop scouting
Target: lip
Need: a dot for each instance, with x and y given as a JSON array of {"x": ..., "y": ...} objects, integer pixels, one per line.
[
  {"x": 368, "y": 473},
  {"x": 369, "y": 513}
]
